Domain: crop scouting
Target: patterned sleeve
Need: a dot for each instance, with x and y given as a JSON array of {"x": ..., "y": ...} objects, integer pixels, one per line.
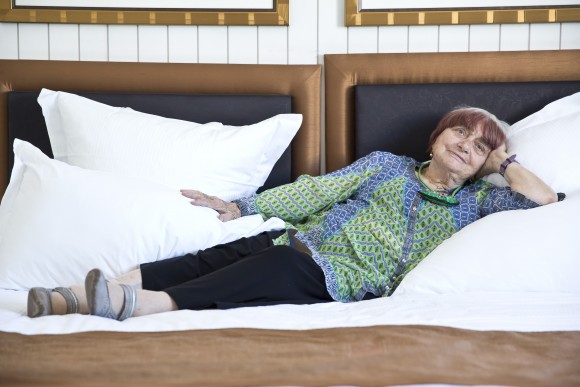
[
  {"x": 504, "y": 199},
  {"x": 309, "y": 195}
]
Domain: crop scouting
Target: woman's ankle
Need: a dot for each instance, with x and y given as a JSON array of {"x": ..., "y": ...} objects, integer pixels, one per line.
[
  {"x": 152, "y": 302},
  {"x": 132, "y": 278},
  {"x": 81, "y": 295},
  {"x": 58, "y": 303}
]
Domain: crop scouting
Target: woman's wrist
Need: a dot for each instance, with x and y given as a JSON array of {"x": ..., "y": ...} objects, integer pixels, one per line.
[
  {"x": 234, "y": 210},
  {"x": 506, "y": 163}
]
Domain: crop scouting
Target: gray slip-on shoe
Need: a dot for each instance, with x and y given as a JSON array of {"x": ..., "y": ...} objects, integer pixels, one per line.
[
  {"x": 40, "y": 303},
  {"x": 99, "y": 299}
]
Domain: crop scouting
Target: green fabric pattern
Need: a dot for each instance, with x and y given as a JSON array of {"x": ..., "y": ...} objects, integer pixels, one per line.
[{"x": 307, "y": 196}]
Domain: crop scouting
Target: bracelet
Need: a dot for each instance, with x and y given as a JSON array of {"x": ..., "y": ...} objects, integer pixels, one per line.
[{"x": 508, "y": 161}]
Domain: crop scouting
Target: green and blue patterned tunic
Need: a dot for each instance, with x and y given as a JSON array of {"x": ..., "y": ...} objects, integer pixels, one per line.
[{"x": 367, "y": 226}]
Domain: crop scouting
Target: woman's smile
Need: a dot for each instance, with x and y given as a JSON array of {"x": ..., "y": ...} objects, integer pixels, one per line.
[{"x": 458, "y": 156}]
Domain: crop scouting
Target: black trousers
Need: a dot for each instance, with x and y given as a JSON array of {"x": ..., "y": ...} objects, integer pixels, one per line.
[{"x": 247, "y": 272}]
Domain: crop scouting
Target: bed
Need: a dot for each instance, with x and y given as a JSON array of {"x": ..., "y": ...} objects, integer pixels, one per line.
[{"x": 452, "y": 327}]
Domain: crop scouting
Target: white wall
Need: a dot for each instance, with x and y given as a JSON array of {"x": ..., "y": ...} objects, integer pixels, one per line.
[{"x": 316, "y": 28}]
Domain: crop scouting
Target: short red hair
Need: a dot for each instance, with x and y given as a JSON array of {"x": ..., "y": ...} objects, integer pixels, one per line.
[{"x": 471, "y": 118}]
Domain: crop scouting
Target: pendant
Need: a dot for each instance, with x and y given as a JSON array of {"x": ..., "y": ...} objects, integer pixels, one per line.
[{"x": 439, "y": 198}]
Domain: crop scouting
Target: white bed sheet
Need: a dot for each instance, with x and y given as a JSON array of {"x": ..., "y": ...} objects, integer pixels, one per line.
[{"x": 525, "y": 312}]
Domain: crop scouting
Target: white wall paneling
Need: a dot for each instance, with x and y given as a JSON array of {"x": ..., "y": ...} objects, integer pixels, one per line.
[
  {"x": 123, "y": 43},
  {"x": 332, "y": 33},
  {"x": 243, "y": 44},
  {"x": 316, "y": 28},
  {"x": 454, "y": 38},
  {"x": 393, "y": 39},
  {"x": 570, "y": 39},
  {"x": 363, "y": 40},
  {"x": 212, "y": 44},
  {"x": 8, "y": 41},
  {"x": 303, "y": 32},
  {"x": 94, "y": 42},
  {"x": 545, "y": 36},
  {"x": 153, "y": 44},
  {"x": 484, "y": 37},
  {"x": 182, "y": 44},
  {"x": 514, "y": 37},
  {"x": 63, "y": 41},
  {"x": 423, "y": 38},
  {"x": 272, "y": 45},
  {"x": 33, "y": 41}
]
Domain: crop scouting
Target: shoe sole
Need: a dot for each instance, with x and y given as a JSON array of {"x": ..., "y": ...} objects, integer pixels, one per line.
[
  {"x": 98, "y": 295},
  {"x": 39, "y": 302}
]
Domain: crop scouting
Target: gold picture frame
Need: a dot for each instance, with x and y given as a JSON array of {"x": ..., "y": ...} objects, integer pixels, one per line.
[
  {"x": 277, "y": 16},
  {"x": 356, "y": 16}
]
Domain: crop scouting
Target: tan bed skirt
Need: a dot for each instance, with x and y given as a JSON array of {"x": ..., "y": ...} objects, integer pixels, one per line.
[{"x": 373, "y": 356}]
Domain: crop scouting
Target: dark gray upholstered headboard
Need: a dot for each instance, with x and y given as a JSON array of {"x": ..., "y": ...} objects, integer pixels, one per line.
[
  {"x": 423, "y": 86},
  {"x": 399, "y": 118},
  {"x": 26, "y": 122}
]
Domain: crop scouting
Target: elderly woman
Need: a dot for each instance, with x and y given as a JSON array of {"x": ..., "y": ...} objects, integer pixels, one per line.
[{"x": 351, "y": 235}]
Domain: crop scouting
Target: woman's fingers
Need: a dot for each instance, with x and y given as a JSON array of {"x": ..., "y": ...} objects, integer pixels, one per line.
[
  {"x": 200, "y": 199},
  {"x": 192, "y": 194},
  {"x": 226, "y": 216},
  {"x": 226, "y": 210}
]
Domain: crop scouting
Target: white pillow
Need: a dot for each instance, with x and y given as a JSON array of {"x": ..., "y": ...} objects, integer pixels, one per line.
[
  {"x": 546, "y": 143},
  {"x": 535, "y": 250},
  {"x": 58, "y": 221},
  {"x": 226, "y": 161}
]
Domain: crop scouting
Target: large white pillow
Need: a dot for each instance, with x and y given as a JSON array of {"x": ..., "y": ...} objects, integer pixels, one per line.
[
  {"x": 59, "y": 221},
  {"x": 546, "y": 143},
  {"x": 226, "y": 161},
  {"x": 536, "y": 250}
]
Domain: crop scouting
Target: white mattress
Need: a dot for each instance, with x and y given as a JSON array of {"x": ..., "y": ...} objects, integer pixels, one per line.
[{"x": 526, "y": 312}]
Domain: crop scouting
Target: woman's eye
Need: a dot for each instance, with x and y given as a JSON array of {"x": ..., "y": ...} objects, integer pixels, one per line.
[{"x": 481, "y": 148}]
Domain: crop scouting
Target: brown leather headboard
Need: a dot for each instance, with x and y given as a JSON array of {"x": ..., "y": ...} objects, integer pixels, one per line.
[
  {"x": 344, "y": 71},
  {"x": 301, "y": 82}
]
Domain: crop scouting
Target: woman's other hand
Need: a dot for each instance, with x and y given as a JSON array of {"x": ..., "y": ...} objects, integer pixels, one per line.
[{"x": 226, "y": 210}]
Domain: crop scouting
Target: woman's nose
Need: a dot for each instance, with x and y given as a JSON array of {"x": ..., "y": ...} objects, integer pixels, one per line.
[{"x": 464, "y": 145}]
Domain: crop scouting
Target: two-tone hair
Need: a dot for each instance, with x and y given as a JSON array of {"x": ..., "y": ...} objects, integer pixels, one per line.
[{"x": 471, "y": 118}]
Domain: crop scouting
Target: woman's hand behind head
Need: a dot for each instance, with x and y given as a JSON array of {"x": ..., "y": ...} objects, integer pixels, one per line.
[{"x": 493, "y": 161}]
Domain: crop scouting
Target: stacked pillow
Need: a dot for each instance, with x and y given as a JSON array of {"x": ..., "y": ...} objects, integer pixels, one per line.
[
  {"x": 226, "y": 161},
  {"x": 111, "y": 197}
]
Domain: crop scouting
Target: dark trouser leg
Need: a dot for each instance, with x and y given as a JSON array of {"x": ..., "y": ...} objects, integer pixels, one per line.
[
  {"x": 174, "y": 271},
  {"x": 276, "y": 275}
]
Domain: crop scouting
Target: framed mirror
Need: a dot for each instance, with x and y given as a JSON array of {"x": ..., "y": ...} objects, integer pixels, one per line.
[
  {"x": 429, "y": 12},
  {"x": 152, "y": 12}
]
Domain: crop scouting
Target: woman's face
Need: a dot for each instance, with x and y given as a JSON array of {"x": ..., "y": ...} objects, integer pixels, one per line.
[{"x": 461, "y": 151}]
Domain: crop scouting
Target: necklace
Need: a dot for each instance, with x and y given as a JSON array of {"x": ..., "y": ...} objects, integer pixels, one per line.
[{"x": 435, "y": 196}]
